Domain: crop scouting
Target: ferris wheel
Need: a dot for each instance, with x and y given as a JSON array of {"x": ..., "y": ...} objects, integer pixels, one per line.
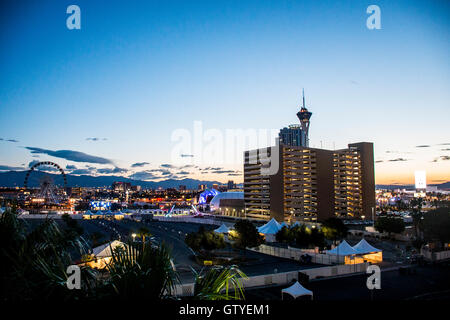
[{"x": 47, "y": 188}]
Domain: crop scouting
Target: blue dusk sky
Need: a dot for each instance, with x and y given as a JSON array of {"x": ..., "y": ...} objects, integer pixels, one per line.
[{"x": 108, "y": 98}]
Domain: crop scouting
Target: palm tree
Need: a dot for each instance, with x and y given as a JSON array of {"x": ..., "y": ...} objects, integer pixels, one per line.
[
  {"x": 34, "y": 263},
  {"x": 416, "y": 205},
  {"x": 139, "y": 271},
  {"x": 144, "y": 232},
  {"x": 217, "y": 283}
]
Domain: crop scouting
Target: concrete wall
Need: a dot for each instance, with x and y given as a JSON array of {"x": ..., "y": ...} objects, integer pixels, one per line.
[{"x": 285, "y": 278}]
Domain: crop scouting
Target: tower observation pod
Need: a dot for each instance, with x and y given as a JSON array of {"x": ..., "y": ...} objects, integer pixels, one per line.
[{"x": 304, "y": 115}]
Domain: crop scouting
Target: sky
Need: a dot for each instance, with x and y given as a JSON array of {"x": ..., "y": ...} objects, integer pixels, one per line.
[{"x": 126, "y": 93}]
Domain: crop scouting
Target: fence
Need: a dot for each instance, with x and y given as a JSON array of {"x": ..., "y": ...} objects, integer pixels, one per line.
[
  {"x": 435, "y": 256},
  {"x": 295, "y": 254}
]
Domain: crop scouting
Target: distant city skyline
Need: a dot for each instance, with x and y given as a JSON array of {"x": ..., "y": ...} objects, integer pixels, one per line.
[{"x": 106, "y": 99}]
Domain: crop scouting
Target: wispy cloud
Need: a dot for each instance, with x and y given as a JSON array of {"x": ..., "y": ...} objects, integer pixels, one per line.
[
  {"x": 112, "y": 170},
  {"x": 9, "y": 140},
  {"x": 96, "y": 139},
  {"x": 142, "y": 175},
  {"x": 423, "y": 146},
  {"x": 139, "y": 164},
  {"x": 10, "y": 168},
  {"x": 398, "y": 159},
  {"x": 70, "y": 155}
]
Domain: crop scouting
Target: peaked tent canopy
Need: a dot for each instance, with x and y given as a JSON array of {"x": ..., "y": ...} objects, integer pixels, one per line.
[
  {"x": 222, "y": 229},
  {"x": 88, "y": 212},
  {"x": 343, "y": 249},
  {"x": 270, "y": 227},
  {"x": 104, "y": 250},
  {"x": 297, "y": 290},
  {"x": 364, "y": 247}
]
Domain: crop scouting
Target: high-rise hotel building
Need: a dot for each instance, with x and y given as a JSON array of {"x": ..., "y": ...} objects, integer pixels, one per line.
[{"x": 310, "y": 184}]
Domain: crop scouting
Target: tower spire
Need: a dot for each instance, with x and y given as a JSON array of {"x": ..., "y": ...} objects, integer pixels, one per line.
[
  {"x": 303, "y": 91},
  {"x": 304, "y": 115}
]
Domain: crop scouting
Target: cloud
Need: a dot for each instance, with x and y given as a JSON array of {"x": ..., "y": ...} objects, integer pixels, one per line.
[
  {"x": 32, "y": 163},
  {"x": 444, "y": 144},
  {"x": 182, "y": 172},
  {"x": 446, "y": 149},
  {"x": 186, "y": 155},
  {"x": 10, "y": 168},
  {"x": 142, "y": 175},
  {"x": 70, "y": 155},
  {"x": 109, "y": 170},
  {"x": 96, "y": 139},
  {"x": 441, "y": 158},
  {"x": 423, "y": 146},
  {"x": 81, "y": 171},
  {"x": 166, "y": 165},
  {"x": 139, "y": 164},
  {"x": 223, "y": 171},
  {"x": 71, "y": 167},
  {"x": 9, "y": 140},
  {"x": 235, "y": 174},
  {"x": 398, "y": 159},
  {"x": 378, "y": 161},
  {"x": 165, "y": 173}
]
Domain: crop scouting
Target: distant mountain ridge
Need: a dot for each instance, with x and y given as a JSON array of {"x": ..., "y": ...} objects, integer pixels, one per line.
[{"x": 16, "y": 179}]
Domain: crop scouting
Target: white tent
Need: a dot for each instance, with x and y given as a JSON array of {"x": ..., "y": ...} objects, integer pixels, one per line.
[
  {"x": 271, "y": 227},
  {"x": 364, "y": 247},
  {"x": 104, "y": 250},
  {"x": 222, "y": 229},
  {"x": 368, "y": 252},
  {"x": 297, "y": 290},
  {"x": 343, "y": 249}
]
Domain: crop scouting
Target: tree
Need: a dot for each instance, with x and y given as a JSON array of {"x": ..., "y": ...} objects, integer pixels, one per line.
[
  {"x": 143, "y": 232},
  {"x": 334, "y": 229},
  {"x": 436, "y": 225},
  {"x": 416, "y": 214},
  {"x": 248, "y": 235},
  {"x": 205, "y": 240},
  {"x": 390, "y": 225},
  {"x": 215, "y": 284},
  {"x": 34, "y": 267},
  {"x": 284, "y": 235}
]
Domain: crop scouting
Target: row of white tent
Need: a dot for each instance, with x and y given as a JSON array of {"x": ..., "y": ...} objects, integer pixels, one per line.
[{"x": 362, "y": 247}]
